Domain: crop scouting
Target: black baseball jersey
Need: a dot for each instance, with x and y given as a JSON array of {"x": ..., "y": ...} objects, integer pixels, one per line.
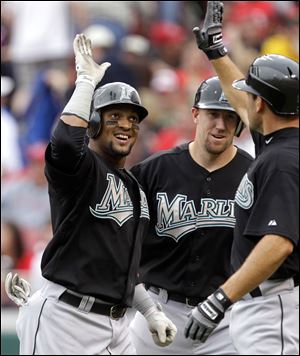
[
  {"x": 267, "y": 200},
  {"x": 187, "y": 249},
  {"x": 99, "y": 216}
]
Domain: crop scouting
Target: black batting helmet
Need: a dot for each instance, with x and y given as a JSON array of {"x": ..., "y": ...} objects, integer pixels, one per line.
[
  {"x": 210, "y": 96},
  {"x": 113, "y": 94},
  {"x": 275, "y": 78}
]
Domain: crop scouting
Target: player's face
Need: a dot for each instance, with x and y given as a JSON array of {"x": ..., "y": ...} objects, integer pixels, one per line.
[
  {"x": 119, "y": 130},
  {"x": 215, "y": 129}
]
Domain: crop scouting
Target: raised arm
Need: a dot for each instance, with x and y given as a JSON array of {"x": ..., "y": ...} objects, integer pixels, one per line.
[{"x": 209, "y": 40}]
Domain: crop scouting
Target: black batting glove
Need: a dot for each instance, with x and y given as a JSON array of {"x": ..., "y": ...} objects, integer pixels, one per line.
[
  {"x": 206, "y": 316},
  {"x": 209, "y": 38}
]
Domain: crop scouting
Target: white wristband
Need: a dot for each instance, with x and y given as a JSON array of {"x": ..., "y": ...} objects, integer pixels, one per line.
[
  {"x": 81, "y": 99},
  {"x": 142, "y": 300}
]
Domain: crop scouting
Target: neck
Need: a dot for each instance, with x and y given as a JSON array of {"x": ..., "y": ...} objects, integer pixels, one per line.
[
  {"x": 211, "y": 161},
  {"x": 274, "y": 123},
  {"x": 115, "y": 161}
]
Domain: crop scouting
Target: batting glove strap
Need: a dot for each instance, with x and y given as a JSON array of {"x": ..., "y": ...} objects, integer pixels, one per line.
[{"x": 220, "y": 299}]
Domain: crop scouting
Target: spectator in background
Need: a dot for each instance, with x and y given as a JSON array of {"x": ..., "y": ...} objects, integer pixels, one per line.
[
  {"x": 284, "y": 38},
  {"x": 135, "y": 55},
  {"x": 103, "y": 46},
  {"x": 12, "y": 247},
  {"x": 167, "y": 40},
  {"x": 24, "y": 199},
  {"x": 32, "y": 46},
  {"x": 12, "y": 254},
  {"x": 11, "y": 156}
]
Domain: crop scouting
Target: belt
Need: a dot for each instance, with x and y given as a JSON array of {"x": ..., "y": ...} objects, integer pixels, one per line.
[
  {"x": 256, "y": 292},
  {"x": 90, "y": 304},
  {"x": 189, "y": 301}
]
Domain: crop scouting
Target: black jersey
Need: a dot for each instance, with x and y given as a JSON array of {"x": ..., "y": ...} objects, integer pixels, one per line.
[
  {"x": 187, "y": 249},
  {"x": 99, "y": 215},
  {"x": 267, "y": 200}
]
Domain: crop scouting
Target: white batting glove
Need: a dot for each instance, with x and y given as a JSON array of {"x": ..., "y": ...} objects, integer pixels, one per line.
[
  {"x": 17, "y": 289},
  {"x": 87, "y": 69},
  {"x": 162, "y": 329}
]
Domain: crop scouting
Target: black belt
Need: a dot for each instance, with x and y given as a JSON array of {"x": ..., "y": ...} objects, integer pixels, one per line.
[
  {"x": 256, "y": 292},
  {"x": 83, "y": 303},
  {"x": 190, "y": 301}
]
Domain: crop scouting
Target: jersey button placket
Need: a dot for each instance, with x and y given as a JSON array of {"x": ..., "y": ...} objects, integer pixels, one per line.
[{"x": 208, "y": 191}]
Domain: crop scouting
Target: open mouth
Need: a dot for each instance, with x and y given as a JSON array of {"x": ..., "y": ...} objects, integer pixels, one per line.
[
  {"x": 122, "y": 137},
  {"x": 218, "y": 137}
]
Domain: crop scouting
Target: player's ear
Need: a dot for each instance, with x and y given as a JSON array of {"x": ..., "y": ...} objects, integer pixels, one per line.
[
  {"x": 195, "y": 114},
  {"x": 259, "y": 104}
]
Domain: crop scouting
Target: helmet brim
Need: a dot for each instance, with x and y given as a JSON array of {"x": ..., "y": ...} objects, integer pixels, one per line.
[
  {"x": 141, "y": 111},
  {"x": 214, "y": 105},
  {"x": 243, "y": 86}
]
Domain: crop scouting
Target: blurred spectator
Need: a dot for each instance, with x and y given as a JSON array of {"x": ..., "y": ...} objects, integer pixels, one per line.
[
  {"x": 11, "y": 156},
  {"x": 24, "y": 198},
  {"x": 40, "y": 36},
  {"x": 135, "y": 55},
  {"x": 12, "y": 247},
  {"x": 284, "y": 38},
  {"x": 103, "y": 42},
  {"x": 170, "y": 11},
  {"x": 44, "y": 106},
  {"x": 167, "y": 40},
  {"x": 13, "y": 255},
  {"x": 121, "y": 17}
]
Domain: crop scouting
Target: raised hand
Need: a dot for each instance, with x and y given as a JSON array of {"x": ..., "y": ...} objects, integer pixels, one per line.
[
  {"x": 209, "y": 38},
  {"x": 87, "y": 69}
]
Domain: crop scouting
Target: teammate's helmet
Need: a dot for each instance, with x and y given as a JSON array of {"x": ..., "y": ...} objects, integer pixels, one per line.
[
  {"x": 210, "y": 96},
  {"x": 275, "y": 78},
  {"x": 113, "y": 94}
]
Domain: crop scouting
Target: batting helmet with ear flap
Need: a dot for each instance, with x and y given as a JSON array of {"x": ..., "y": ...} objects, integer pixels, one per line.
[
  {"x": 113, "y": 94},
  {"x": 274, "y": 78},
  {"x": 210, "y": 96}
]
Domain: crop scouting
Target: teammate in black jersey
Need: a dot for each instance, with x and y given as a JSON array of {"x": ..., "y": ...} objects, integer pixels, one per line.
[
  {"x": 99, "y": 217},
  {"x": 190, "y": 191},
  {"x": 265, "y": 261}
]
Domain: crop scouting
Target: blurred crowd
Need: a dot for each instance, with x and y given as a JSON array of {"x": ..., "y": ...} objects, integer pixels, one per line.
[{"x": 150, "y": 45}]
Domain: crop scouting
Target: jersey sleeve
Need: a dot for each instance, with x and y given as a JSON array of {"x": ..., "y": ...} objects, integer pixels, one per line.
[
  {"x": 276, "y": 209},
  {"x": 68, "y": 159}
]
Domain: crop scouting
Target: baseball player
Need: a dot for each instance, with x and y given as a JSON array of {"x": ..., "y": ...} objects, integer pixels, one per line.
[
  {"x": 99, "y": 215},
  {"x": 190, "y": 191},
  {"x": 264, "y": 286}
]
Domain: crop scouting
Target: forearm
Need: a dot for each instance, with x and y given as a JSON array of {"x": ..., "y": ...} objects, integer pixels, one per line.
[
  {"x": 77, "y": 110},
  {"x": 228, "y": 72},
  {"x": 142, "y": 300},
  {"x": 263, "y": 261}
]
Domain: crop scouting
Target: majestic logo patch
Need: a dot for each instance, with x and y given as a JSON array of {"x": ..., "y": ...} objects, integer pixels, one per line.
[
  {"x": 116, "y": 203},
  {"x": 180, "y": 217},
  {"x": 244, "y": 195}
]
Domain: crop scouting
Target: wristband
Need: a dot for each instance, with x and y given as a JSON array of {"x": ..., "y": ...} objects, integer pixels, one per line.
[{"x": 222, "y": 298}]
